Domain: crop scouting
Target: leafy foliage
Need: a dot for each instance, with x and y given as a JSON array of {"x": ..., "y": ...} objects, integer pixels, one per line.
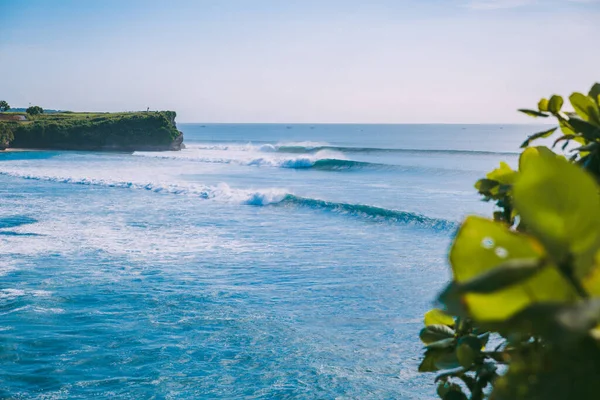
[
  {"x": 529, "y": 278},
  {"x": 6, "y": 135},
  {"x": 34, "y": 110},
  {"x": 4, "y": 105},
  {"x": 83, "y": 131}
]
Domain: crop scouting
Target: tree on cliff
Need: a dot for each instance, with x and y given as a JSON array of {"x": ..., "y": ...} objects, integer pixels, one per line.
[
  {"x": 34, "y": 110},
  {"x": 4, "y": 105}
]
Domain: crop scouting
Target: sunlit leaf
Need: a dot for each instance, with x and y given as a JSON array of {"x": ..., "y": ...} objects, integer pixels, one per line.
[
  {"x": 543, "y": 105},
  {"x": 438, "y": 317},
  {"x": 560, "y": 205},
  {"x": 555, "y": 104},
  {"x": 586, "y": 107},
  {"x": 533, "y": 153},
  {"x": 505, "y": 275},
  {"x": 566, "y": 128},
  {"x": 481, "y": 245},
  {"x": 504, "y": 174}
]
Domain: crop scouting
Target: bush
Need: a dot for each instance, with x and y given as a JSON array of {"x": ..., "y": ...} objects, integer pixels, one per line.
[
  {"x": 34, "y": 110},
  {"x": 4, "y": 106},
  {"x": 6, "y": 135},
  {"x": 528, "y": 279}
]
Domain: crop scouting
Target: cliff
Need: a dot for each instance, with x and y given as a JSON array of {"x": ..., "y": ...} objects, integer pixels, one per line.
[{"x": 138, "y": 131}]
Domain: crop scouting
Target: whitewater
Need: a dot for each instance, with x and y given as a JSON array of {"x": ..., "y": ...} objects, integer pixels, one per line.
[{"x": 263, "y": 261}]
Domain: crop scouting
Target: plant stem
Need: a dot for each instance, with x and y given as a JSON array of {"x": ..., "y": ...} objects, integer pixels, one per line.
[{"x": 567, "y": 271}]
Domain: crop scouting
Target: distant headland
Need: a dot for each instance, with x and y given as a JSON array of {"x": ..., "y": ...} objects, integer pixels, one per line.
[{"x": 36, "y": 128}]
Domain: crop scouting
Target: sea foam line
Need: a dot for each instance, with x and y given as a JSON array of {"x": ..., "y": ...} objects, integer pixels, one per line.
[
  {"x": 273, "y": 196},
  {"x": 315, "y": 147}
]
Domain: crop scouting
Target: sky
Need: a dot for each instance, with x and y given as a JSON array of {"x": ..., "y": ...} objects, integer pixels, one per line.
[{"x": 303, "y": 61}]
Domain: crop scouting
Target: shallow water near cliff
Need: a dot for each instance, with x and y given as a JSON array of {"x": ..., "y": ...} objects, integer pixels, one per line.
[{"x": 264, "y": 261}]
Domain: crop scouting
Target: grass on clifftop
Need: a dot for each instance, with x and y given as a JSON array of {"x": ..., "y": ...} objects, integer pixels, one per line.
[{"x": 94, "y": 130}]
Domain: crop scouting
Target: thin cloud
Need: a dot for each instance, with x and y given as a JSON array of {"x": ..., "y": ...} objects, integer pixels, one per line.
[{"x": 500, "y": 4}]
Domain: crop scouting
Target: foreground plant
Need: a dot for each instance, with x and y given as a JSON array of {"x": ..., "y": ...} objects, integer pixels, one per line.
[{"x": 520, "y": 319}]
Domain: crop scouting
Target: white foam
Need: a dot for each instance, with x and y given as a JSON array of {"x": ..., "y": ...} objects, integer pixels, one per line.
[
  {"x": 267, "y": 147},
  {"x": 8, "y": 294},
  {"x": 221, "y": 192},
  {"x": 260, "y": 158}
]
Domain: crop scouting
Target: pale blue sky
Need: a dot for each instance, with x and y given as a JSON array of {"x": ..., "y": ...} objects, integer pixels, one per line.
[{"x": 396, "y": 61}]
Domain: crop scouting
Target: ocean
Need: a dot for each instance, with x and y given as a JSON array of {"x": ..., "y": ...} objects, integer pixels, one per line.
[{"x": 263, "y": 261}]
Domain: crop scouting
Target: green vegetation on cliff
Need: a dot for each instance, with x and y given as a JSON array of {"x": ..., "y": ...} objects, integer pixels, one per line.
[{"x": 152, "y": 131}]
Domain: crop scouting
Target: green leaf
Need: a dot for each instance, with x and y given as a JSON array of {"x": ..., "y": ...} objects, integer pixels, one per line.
[
  {"x": 565, "y": 127},
  {"x": 437, "y": 359},
  {"x": 469, "y": 381},
  {"x": 428, "y": 363},
  {"x": 455, "y": 395},
  {"x": 452, "y": 299},
  {"x": 438, "y": 317},
  {"x": 442, "y": 344},
  {"x": 594, "y": 92},
  {"x": 434, "y": 333},
  {"x": 533, "y": 153},
  {"x": 556, "y": 321},
  {"x": 586, "y": 107},
  {"x": 442, "y": 389},
  {"x": 505, "y": 275},
  {"x": 446, "y": 387},
  {"x": 459, "y": 371},
  {"x": 543, "y": 134},
  {"x": 533, "y": 113},
  {"x": 504, "y": 174},
  {"x": 588, "y": 131},
  {"x": 482, "y": 245},
  {"x": 485, "y": 185},
  {"x": 559, "y": 204},
  {"x": 563, "y": 138},
  {"x": 555, "y": 104},
  {"x": 467, "y": 351},
  {"x": 447, "y": 360},
  {"x": 543, "y": 105}
]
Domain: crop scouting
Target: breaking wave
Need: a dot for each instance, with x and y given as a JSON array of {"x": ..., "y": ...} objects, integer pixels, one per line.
[
  {"x": 315, "y": 147},
  {"x": 273, "y": 196}
]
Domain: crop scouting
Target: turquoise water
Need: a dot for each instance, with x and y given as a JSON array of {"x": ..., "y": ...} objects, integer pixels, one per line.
[{"x": 264, "y": 261}]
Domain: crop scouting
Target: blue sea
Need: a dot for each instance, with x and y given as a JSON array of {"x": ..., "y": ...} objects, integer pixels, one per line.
[{"x": 263, "y": 261}]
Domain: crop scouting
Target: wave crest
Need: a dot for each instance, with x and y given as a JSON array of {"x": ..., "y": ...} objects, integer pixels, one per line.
[
  {"x": 272, "y": 196},
  {"x": 372, "y": 212}
]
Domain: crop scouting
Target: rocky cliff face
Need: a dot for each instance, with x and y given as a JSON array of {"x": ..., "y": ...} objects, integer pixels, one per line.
[{"x": 143, "y": 131}]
